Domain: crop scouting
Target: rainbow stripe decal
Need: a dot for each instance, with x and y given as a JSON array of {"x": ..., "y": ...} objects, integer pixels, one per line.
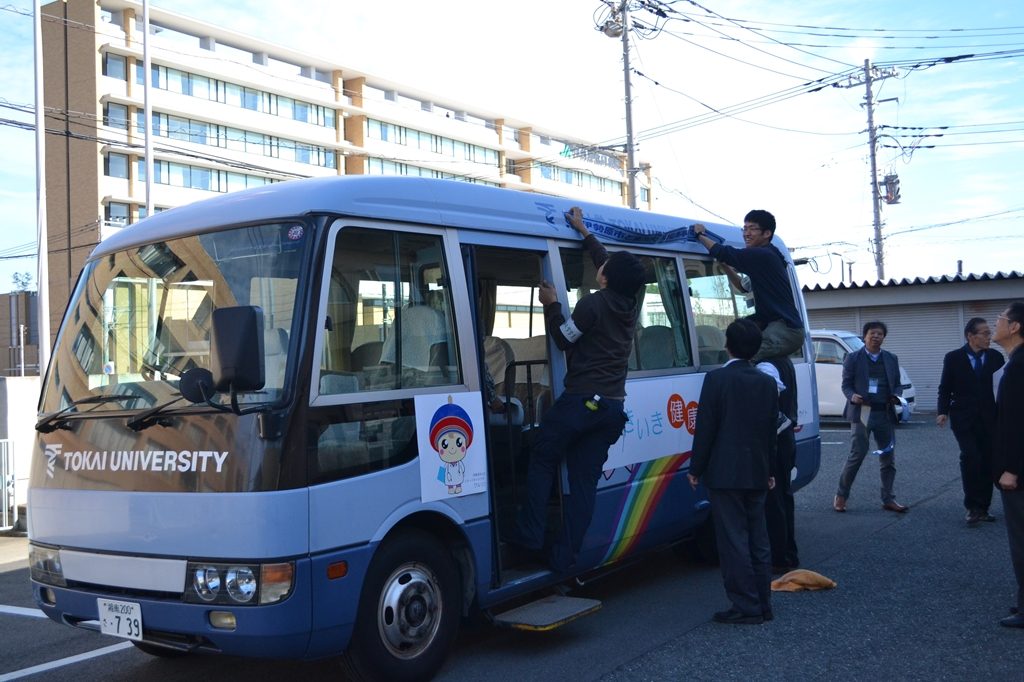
[{"x": 647, "y": 485}]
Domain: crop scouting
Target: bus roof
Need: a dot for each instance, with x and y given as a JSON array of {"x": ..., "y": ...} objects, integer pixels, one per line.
[{"x": 414, "y": 200}]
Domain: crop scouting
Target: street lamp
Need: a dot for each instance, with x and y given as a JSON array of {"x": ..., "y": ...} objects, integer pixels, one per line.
[{"x": 842, "y": 266}]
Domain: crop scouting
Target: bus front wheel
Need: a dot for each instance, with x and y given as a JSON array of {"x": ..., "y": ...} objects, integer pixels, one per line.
[{"x": 408, "y": 612}]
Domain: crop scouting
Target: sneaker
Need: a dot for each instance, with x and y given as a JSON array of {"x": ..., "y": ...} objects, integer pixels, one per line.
[
  {"x": 783, "y": 422},
  {"x": 985, "y": 516},
  {"x": 973, "y": 518}
]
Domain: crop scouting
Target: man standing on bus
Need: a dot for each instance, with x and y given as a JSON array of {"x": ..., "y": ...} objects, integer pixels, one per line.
[
  {"x": 775, "y": 309},
  {"x": 588, "y": 417}
]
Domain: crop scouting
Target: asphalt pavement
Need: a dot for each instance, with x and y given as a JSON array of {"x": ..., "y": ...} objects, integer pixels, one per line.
[{"x": 918, "y": 596}]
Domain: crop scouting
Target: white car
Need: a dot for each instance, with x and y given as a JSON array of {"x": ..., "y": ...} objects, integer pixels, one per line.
[{"x": 830, "y": 349}]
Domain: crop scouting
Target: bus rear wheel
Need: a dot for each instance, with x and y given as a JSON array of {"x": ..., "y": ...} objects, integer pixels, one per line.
[{"x": 409, "y": 610}]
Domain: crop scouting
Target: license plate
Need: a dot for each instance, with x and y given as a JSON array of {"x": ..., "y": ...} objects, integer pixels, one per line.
[{"x": 120, "y": 618}]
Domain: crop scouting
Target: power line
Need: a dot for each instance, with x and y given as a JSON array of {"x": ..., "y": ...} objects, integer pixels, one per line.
[{"x": 836, "y": 61}]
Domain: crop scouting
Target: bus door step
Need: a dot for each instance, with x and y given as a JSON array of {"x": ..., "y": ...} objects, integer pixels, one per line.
[{"x": 547, "y": 613}]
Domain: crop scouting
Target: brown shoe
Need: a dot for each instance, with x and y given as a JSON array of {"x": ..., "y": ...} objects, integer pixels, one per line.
[
  {"x": 839, "y": 504},
  {"x": 895, "y": 506}
]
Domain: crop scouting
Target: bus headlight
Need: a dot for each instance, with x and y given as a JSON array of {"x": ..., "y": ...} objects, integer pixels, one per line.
[
  {"x": 45, "y": 566},
  {"x": 241, "y": 583},
  {"x": 238, "y": 584},
  {"x": 206, "y": 582}
]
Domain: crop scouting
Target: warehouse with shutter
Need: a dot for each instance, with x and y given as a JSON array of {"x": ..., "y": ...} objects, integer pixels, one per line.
[{"x": 925, "y": 316}]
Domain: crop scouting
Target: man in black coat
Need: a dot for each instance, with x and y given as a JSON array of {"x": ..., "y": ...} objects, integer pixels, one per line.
[
  {"x": 967, "y": 401},
  {"x": 1008, "y": 451},
  {"x": 733, "y": 456},
  {"x": 871, "y": 384}
]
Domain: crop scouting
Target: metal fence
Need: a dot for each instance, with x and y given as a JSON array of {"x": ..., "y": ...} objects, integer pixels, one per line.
[{"x": 8, "y": 505}]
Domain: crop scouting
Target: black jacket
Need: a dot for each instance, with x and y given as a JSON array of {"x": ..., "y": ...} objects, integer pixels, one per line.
[
  {"x": 1008, "y": 450},
  {"x": 597, "y": 338},
  {"x": 962, "y": 393},
  {"x": 734, "y": 442}
]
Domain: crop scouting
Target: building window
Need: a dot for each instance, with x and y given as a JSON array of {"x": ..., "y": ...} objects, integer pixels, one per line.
[
  {"x": 115, "y": 66},
  {"x": 117, "y": 213},
  {"x": 115, "y": 165},
  {"x": 115, "y": 115}
]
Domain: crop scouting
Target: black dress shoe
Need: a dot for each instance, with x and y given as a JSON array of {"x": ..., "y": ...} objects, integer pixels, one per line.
[
  {"x": 985, "y": 516},
  {"x": 1014, "y": 621},
  {"x": 734, "y": 617},
  {"x": 973, "y": 518}
]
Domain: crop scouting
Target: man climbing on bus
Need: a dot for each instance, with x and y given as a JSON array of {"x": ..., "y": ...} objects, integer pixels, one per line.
[
  {"x": 775, "y": 309},
  {"x": 588, "y": 417}
]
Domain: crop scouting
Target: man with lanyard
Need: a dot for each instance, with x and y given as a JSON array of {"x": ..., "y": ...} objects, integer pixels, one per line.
[
  {"x": 871, "y": 384},
  {"x": 775, "y": 310},
  {"x": 589, "y": 416},
  {"x": 967, "y": 401}
]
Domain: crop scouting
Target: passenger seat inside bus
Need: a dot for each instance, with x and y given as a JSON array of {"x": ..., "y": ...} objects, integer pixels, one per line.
[
  {"x": 532, "y": 376},
  {"x": 711, "y": 345},
  {"x": 655, "y": 347},
  {"x": 424, "y": 340},
  {"x": 498, "y": 359},
  {"x": 275, "y": 353}
]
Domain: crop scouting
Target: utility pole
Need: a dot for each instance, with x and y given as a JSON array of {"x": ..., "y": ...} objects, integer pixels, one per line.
[
  {"x": 630, "y": 163},
  {"x": 616, "y": 27},
  {"x": 871, "y": 75},
  {"x": 875, "y": 199}
]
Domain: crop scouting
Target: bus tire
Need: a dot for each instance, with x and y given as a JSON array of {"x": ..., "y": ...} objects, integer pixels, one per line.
[
  {"x": 409, "y": 610},
  {"x": 159, "y": 651}
]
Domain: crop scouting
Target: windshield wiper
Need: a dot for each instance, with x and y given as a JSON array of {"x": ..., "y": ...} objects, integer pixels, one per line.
[
  {"x": 56, "y": 420},
  {"x": 144, "y": 420}
]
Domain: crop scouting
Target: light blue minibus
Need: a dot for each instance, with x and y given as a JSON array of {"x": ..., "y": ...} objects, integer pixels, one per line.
[{"x": 294, "y": 421}]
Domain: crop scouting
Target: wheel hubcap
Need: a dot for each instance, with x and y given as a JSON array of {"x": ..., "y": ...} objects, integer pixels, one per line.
[{"x": 410, "y": 610}]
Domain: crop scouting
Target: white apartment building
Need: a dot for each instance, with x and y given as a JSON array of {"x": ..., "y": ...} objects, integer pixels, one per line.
[{"x": 231, "y": 112}]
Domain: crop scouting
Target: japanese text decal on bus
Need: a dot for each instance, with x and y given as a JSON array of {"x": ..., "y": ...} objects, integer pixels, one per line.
[{"x": 452, "y": 461}]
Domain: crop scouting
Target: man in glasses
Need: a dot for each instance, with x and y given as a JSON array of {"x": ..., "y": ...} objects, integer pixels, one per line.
[
  {"x": 1008, "y": 450},
  {"x": 775, "y": 308},
  {"x": 966, "y": 400}
]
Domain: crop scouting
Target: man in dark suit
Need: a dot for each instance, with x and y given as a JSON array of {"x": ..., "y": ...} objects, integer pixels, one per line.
[
  {"x": 871, "y": 384},
  {"x": 967, "y": 401},
  {"x": 733, "y": 455},
  {"x": 1008, "y": 451}
]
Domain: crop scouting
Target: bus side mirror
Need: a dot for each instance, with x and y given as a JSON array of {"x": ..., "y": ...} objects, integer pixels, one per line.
[{"x": 236, "y": 348}]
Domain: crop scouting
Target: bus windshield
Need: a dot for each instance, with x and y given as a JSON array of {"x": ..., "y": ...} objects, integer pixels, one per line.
[{"x": 140, "y": 318}]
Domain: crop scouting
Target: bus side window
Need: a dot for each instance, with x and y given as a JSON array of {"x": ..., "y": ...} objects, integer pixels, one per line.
[
  {"x": 715, "y": 304},
  {"x": 389, "y": 307},
  {"x": 662, "y": 338}
]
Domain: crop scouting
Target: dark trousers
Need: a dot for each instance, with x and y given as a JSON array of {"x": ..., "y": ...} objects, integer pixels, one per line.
[
  {"x": 572, "y": 432},
  {"x": 974, "y": 436},
  {"x": 880, "y": 426},
  {"x": 1013, "y": 510},
  {"x": 743, "y": 551},
  {"x": 778, "y": 507}
]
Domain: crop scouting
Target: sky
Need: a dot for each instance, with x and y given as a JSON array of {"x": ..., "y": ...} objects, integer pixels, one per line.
[{"x": 725, "y": 105}]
